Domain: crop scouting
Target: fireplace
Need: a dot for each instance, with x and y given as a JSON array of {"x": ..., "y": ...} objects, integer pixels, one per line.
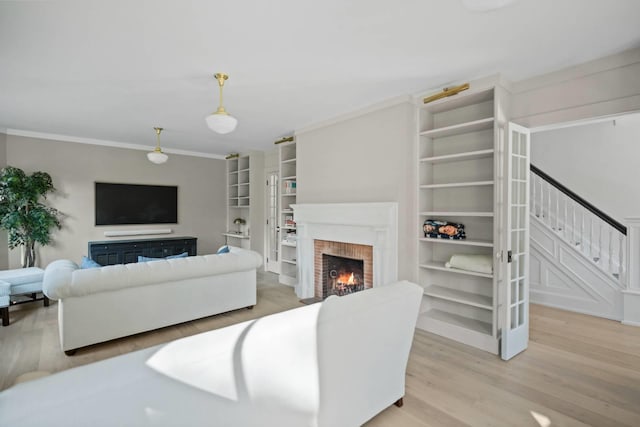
[
  {"x": 341, "y": 276},
  {"x": 341, "y": 268},
  {"x": 362, "y": 231}
]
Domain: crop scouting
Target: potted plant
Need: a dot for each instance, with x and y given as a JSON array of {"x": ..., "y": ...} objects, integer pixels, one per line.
[
  {"x": 23, "y": 213},
  {"x": 239, "y": 222}
]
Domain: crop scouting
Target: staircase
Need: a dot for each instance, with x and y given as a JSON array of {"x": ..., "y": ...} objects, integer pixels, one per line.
[{"x": 577, "y": 251}]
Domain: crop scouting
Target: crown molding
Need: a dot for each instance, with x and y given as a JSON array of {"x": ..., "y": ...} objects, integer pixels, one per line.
[
  {"x": 107, "y": 143},
  {"x": 390, "y": 102}
]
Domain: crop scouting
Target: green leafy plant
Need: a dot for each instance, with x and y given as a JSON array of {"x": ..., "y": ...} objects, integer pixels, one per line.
[{"x": 23, "y": 213}]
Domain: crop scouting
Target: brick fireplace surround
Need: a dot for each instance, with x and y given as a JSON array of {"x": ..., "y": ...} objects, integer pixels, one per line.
[
  {"x": 374, "y": 225},
  {"x": 346, "y": 250}
]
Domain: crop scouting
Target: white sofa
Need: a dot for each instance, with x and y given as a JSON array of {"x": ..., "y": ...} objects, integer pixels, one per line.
[
  {"x": 100, "y": 304},
  {"x": 332, "y": 364}
]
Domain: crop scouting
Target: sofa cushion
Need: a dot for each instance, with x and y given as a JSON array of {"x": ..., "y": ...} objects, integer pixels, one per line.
[
  {"x": 89, "y": 263},
  {"x": 146, "y": 258},
  {"x": 21, "y": 276}
]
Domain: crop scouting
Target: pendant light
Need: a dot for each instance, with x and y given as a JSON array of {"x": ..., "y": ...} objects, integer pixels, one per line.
[
  {"x": 220, "y": 121},
  {"x": 157, "y": 156}
]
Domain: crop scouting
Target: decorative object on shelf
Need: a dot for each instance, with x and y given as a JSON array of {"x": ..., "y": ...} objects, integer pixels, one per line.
[
  {"x": 239, "y": 222},
  {"x": 289, "y": 222},
  {"x": 157, "y": 156},
  {"x": 447, "y": 91},
  {"x": 476, "y": 263},
  {"x": 232, "y": 156},
  {"x": 290, "y": 187},
  {"x": 285, "y": 139},
  {"x": 22, "y": 212},
  {"x": 221, "y": 121},
  {"x": 437, "y": 229}
]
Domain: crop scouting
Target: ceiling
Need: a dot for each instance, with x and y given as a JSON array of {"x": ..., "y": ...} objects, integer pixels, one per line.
[{"x": 112, "y": 70}]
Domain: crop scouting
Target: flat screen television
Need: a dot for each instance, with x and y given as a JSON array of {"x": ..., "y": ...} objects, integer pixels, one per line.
[{"x": 119, "y": 204}]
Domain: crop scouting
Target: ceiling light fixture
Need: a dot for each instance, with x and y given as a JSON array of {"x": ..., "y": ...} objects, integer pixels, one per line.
[
  {"x": 485, "y": 5},
  {"x": 157, "y": 156},
  {"x": 221, "y": 121}
]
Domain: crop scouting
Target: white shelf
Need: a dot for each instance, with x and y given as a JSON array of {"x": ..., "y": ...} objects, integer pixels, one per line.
[
  {"x": 460, "y": 297},
  {"x": 288, "y": 177},
  {"x": 440, "y": 266},
  {"x": 240, "y": 207},
  {"x": 288, "y": 261},
  {"x": 453, "y": 213},
  {"x": 286, "y": 211},
  {"x": 467, "y": 242},
  {"x": 284, "y": 227},
  {"x": 291, "y": 245},
  {"x": 458, "y": 184},
  {"x": 458, "y": 157},
  {"x": 288, "y": 161},
  {"x": 236, "y": 235},
  {"x": 457, "y": 320},
  {"x": 288, "y": 194},
  {"x": 473, "y": 126}
]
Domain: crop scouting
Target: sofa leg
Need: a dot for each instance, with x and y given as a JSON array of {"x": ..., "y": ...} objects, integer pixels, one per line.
[
  {"x": 46, "y": 300},
  {"x": 4, "y": 312},
  {"x": 399, "y": 403},
  {"x": 70, "y": 352},
  {"x": 250, "y": 307}
]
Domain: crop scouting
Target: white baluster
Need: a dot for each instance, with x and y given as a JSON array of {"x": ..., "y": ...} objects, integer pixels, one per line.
[
  {"x": 610, "y": 249},
  {"x": 573, "y": 222},
  {"x": 600, "y": 243},
  {"x": 582, "y": 239},
  {"x": 565, "y": 219},
  {"x": 621, "y": 265},
  {"x": 533, "y": 203},
  {"x": 549, "y": 204},
  {"x": 541, "y": 204},
  {"x": 591, "y": 237},
  {"x": 557, "y": 211}
]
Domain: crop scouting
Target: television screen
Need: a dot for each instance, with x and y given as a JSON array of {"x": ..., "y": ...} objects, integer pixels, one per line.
[{"x": 136, "y": 204}]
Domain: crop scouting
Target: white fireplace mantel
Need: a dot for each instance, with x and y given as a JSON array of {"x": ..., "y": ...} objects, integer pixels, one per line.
[{"x": 374, "y": 224}]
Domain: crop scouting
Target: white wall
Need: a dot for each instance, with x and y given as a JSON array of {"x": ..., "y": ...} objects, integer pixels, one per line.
[
  {"x": 75, "y": 167},
  {"x": 606, "y": 86},
  {"x": 366, "y": 158},
  {"x": 599, "y": 162}
]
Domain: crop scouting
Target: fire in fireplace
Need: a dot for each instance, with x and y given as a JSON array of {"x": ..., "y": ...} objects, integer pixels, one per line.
[{"x": 342, "y": 276}]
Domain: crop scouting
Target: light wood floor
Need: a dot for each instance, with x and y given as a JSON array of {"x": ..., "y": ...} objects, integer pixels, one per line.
[{"x": 578, "y": 370}]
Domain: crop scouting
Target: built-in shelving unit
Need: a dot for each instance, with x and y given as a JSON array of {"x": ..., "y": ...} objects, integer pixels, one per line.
[
  {"x": 239, "y": 200},
  {"x": 288, "y": 238},
  {"x": 242, "y": 196},
  {"x": 473, "y": 170},
  {"x": 457, "y": 156}
]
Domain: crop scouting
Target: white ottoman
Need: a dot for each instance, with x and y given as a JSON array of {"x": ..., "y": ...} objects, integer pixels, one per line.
[{"x": 21, "y": 281}]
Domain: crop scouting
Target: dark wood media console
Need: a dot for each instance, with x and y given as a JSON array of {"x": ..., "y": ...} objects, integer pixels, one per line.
[{"x": 110, "y": 252}]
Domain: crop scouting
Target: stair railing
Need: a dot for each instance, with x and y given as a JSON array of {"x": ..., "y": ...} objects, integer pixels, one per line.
[{"x": 593, "y": 233}]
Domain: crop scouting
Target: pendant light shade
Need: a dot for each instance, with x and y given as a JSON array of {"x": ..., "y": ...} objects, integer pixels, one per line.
[
  {"x": 157, "y": 156},
  {"x": 221, "y": 122}
]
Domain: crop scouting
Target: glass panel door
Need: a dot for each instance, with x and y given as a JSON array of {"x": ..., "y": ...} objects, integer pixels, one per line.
[
  {"x": 515, "y": 306},
  {"x": 273, "y": 230}
]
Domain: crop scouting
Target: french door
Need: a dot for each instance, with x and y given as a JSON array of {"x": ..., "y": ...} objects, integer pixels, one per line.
[
  {"x": 515, "y": 266},
  {"x": 272, "y": 229}
]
